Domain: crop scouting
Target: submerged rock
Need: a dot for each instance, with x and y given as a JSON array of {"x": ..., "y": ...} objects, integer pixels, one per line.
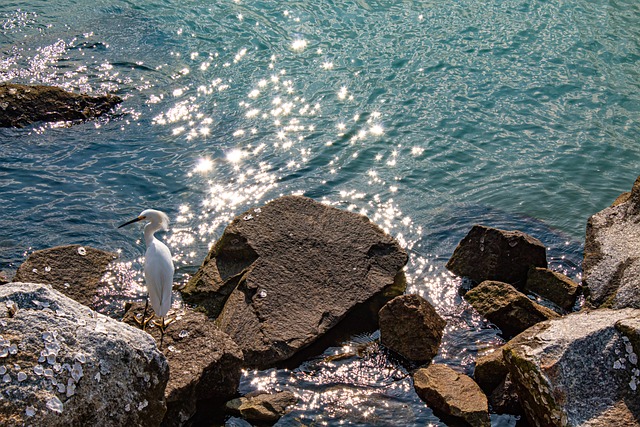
[
  {"x": 204, "y": 364},
  {"x": 293, "y": 270},
  {"x": 263, "y": 407},
  {"x": 451, "y": 394},
  {"x": 411, "y": 327},
  {"x": 503, "y": 305},
  {"x": 73, "y": 270},
  {"x": 578, "y": 370},
  {"x": 62, "y": 364},
  {"x": 21, "y": 105},
  {"x": 492, "y": 254},
  {"x": 612, "y": 254},
  {"x": 554, "y": 286}
]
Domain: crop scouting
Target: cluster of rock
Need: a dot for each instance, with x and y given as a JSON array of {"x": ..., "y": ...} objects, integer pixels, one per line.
[
  {"x": 284, "y": 281},
  {"x": 294, "y": 276}
]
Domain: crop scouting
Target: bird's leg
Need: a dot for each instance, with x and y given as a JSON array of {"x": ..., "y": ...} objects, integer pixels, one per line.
[
  {"x": 161, "y": 333},
  {"x": 144, "y": 320},
  {"x": 163, "y": 326}
]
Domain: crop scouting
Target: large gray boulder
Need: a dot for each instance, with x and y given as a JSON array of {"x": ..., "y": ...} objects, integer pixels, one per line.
[
  {"x": 205, "y": 364},
  {"x": 74, "y": 270},
  {"x": 488, "y": 253},
  {"x": 611, "y": 266},
  {"x": 579, "y": 370},
  {"x": 411, "y": 327},
  {"x": 21, "y": 105},
  {"x": 63, "y": 364},
  {"x": 506, "y": 307},
  {"x": 452, "y": 394},
  {"x": 293, "y": 270}
]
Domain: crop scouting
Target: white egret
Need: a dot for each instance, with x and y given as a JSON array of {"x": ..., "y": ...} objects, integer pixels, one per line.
[{"x": 158, "y": 266}]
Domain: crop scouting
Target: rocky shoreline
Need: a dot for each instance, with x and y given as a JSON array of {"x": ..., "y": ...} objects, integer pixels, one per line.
[{"x": 290, "y": 278}]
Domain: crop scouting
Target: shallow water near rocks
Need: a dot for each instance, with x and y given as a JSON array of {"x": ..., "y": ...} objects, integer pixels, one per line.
[{"x": 428, "y": 117}]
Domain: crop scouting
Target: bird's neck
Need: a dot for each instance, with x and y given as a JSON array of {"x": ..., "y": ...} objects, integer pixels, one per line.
[{"x": 149, "y": 231}]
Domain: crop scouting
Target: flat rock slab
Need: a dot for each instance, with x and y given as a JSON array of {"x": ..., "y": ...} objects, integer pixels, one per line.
[
  {"x": 263, "y": 407},
  {"x": 205, "y": 363},
  {"x": 488, "y": 253},
  {"x": 410, "y": 326},
  {"x": 21, "y": 105},
  {"x": 611, "y": 264},
  {"x": 554, "y": 286},
  {"x": 294, "y": 269},
  {"x": 63, "y": 364},
  {"x": 506, "y": 307},
  {"x": 74, "y": 270},
  {"x": 450, "y": 393},
  {"x": 579, "y": 370}
]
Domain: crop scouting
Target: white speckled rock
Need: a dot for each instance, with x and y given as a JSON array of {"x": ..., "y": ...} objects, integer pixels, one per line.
[
  {"x": 62, "y": 364},
  {"x": 612, "y": 254},
  {"x": 580, "y": 370}
]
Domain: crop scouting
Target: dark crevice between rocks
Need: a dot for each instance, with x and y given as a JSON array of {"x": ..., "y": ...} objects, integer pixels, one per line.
[{"x": 363, "y": 318}]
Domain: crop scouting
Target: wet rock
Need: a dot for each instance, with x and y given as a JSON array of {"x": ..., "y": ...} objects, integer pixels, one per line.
[
  {"x": 554, "y": 286},
  {"x": 451, "y": 394},
  {"x": 298, "y": 268},
  {"x": 612, "y": 254},
  {"x": 492, "y": 254},
  {"x": 73, "y": 270},
  {"x": 204, "y": 364},
  {"x": 411, "y": 327},
  {"x": 21, "y": 105},
  {"x": 263, "y": 407},
  {"x": 62, "y": 364},
  {"x": 490, "y": 371},
  {"x": 508, "y": 309},
  {"x": 578, "y": 370}
]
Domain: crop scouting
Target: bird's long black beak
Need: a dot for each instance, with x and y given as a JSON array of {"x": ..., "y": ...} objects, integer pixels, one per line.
[{"x": 140, "y": 218}]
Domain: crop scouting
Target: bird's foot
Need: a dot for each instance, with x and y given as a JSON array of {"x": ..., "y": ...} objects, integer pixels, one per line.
[
  {"x": 141, "y": 321},
  {"x": 163, "y": 323}
]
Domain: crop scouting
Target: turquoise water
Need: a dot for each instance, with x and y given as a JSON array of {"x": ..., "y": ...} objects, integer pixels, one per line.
[{"x": 426, "y": 116}]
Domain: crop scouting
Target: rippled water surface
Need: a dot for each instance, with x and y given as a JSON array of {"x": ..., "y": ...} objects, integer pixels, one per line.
[{"x": 426, "y": 116}]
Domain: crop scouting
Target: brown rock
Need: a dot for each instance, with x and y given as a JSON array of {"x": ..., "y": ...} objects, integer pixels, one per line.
[
  {"x": 504, "y": 398},
  {"x": 297, "y": 269},
  {"x": 507, "y": 308},
  {"x": 204, "y": 363},
  {"x": 411, "y": 327},
  {"x": 611, "y": 263},
  {"x": 73, "y": 270},
  {"x": 490, "y": 371},
  {"x": 263, "y": 407},
  {"x": 21, "y": 105},
  {"x": 452, "y": 394},
  {"x": 554, "y": 286},
  {"x": 492, "y": 254}
]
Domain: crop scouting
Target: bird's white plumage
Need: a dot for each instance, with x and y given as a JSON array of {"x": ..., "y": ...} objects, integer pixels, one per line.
[{"x": 158, "y": 265}]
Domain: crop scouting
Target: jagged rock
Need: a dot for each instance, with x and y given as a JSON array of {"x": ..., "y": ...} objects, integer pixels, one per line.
[
  {"x": 490, "y": 371},
  {"x": 21, "y": 105},
  {"x": 62, "y": 364},
  {"x": 411, "y": 327},
  {"x": 611, "y": 264},
  {"x": 579, "y": 370},
  {"x": 3, "y": 278},
  {"x": 554, "y": 286},
  {"x": 73, "y": 270},
  {"x": 204, "y": 364},
  {"x": 451, "y": 394},
  {"x": 263, "y": 407},
  {"x": 506, "y": 307},
  {"x": 295, "y": 268},
  {"x": 492, "y": 254}
]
